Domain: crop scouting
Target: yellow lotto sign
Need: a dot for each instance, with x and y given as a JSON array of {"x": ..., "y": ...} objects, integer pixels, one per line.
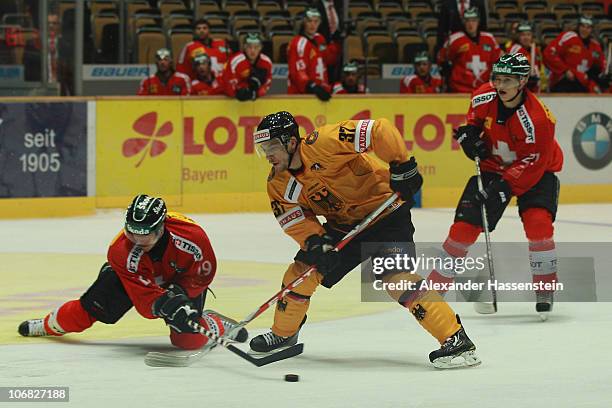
[{"x": 199, "y": 154}]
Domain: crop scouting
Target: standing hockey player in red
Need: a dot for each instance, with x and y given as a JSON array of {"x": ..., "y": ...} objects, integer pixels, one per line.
[
  {"x": 513, "y": 134},
  {"x": 526, "y": 45},
  {"x": 350, "y": 83},
  {"x": 206, "y": 82},
  {"x": 576, "y": 61},
  {"x": 331, "y": 174},
  {"x": 202, "y": 43},
  {"x": 422, "y": 81},
  {"x": 248, "y": 74},
  {"x": 161, "y": 263},
  {"x": 165, "y": 81},
  {"x": 469, "y": 54},
  {"x": 308, "y": 56}
]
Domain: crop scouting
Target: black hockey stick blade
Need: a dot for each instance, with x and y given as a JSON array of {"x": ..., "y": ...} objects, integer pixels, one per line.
[{"x": 272, "y": 358}]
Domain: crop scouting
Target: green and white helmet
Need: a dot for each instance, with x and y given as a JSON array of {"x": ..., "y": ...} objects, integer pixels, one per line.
[
  {"x": 512, "y": 64},
  {"x": 146, "y": 214}
]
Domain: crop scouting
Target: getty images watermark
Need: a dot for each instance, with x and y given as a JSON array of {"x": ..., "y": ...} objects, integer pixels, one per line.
[
  {"x": 407, "y": 263},
  {"x": 518, "y": 272}
]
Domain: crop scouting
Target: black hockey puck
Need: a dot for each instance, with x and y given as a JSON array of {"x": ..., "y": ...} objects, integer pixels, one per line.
[{"x": 292, "y": 377}]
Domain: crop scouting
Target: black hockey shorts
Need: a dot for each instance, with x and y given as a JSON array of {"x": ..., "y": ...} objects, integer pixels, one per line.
[
  {"x": 107, "y": 301},
  {"x": 544, "y": 194},
  {"x": 395, "y": 227}
]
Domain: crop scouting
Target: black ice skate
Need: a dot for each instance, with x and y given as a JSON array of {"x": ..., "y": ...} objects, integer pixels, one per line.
[
  {"x": 457, "y": 351},
  {"x": 544, "y": 304},
  {"x": 270, "y": 342},
  {"x": 33, "y": 328}
]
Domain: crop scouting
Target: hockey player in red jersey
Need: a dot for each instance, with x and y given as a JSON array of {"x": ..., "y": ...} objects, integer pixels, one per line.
[
  {"x": 469, "y": 55},
  {"x": 202, "y": 43},
  {"x": 350, "y": 81},
  {"x": 248, "y": 74},
  {"x": 422, "y": 81},
  {"x": 576, "y": 61},
  {"x": 161, "y": 263},
  {"x": 526, "y": 45},
  {"x": 308, "y": 56},
  {"x": 513, "y": 134},
  {"x": 165, "y": 81},
  {"x": 206, "y": 82}
]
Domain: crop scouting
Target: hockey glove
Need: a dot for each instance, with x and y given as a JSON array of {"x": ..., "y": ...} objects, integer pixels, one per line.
[
  {"x": 254, "y": 84},
  {"x": 245, "y": 94},
  {"x": 495, "y": 195},
  {"x": 260, "y": 74},
  {"x": 594, "y": 72},
  {"x": 405, "y": 179},
  {"x": 319, "y": 253},
  {"x": 176, "y": 309},
  {"x": 319, "y": 91},
  {"x": 468, "y": 137}
]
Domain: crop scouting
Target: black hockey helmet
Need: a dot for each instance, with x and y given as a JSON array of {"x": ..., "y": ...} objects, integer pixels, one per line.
[
  {"x": 279, "y": 125},
  {"x": 146, "y": 214}
]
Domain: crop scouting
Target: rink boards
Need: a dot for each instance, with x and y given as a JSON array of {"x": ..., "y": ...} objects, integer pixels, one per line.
[{"x": 71, "y": 157}]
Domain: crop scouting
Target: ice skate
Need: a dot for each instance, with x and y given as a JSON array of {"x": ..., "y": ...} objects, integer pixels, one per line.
[
  {"x": 270, "y": 342},
  {"x": 544, "y": 304},
  {"x": 457, "y": 351},
  {"x": 33, "y": 328}
]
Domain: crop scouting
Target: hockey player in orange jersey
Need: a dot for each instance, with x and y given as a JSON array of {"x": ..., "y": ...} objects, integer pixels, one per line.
[{"x": 330, "y": 173}]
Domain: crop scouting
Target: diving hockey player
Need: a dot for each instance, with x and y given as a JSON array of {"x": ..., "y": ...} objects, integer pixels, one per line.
[{"x": 162, "y": 263}]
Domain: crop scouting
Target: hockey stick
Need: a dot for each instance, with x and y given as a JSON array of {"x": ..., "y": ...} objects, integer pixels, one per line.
[
  {"x": 168, "y": 360},
  {"x": 156, "y": 359},
  {"x": 486, "y": 307},
  {"x": 292, "y": 285}
]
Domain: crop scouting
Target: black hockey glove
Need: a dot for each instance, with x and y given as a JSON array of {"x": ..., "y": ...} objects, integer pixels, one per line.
[
  {"x": 495, "y": 195},
  {"x": 318, "y": 90},
  {"x": 319, "y": 253},
  {"x": 594, "y": 72},
  {"x": 260, "y": 74},
  {"x": 176, "y": 309},
  {"x": 245, "y": 94},
  {"x": 468, "y": 137},
  {"x": 254, "y": 84},
  {"x": 405, "y": 179}
]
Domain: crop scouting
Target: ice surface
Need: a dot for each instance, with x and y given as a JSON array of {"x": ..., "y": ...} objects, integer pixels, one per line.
[{"x": 375, "y": 359}]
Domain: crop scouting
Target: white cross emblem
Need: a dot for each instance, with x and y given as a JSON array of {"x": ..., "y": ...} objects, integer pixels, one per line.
[
  {"x": 477, "y": 66},
  {"x": 583, "y": 67},
  {"x": 502, "y": 150}
]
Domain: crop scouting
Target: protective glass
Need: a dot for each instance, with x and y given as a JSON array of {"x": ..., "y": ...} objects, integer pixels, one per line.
[
  {"x": 269, "y": 147},
  {"x": 505, "y": 82}
]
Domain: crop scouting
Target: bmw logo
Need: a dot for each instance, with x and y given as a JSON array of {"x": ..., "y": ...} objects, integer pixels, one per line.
[{"x": 592, "y": 141}]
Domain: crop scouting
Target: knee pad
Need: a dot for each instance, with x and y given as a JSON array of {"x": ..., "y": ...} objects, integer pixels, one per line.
[
  {"x": 106, "y": 299},
  {"x": 538, "y": 224}
]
